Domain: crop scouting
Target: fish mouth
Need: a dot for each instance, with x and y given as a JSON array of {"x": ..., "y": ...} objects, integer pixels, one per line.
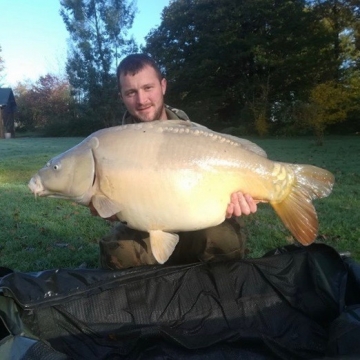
[
  {"x": 37, "y": 189},
  {"x": 36, "y": 186}
]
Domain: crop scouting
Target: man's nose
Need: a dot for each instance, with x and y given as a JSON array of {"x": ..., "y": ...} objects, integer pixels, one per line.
[{"x": 141, "y": 97}]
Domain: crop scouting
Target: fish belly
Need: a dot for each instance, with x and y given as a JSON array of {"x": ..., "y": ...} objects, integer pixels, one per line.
[{"x": 174, "y": 200}]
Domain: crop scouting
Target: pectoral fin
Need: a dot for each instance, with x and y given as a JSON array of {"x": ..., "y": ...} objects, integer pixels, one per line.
[
  {"x": 162, "y": 244},
  {"x": 104, "y": 206}
]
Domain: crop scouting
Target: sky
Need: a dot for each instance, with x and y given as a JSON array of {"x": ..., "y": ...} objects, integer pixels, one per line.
[{"x": 33, "y": 36}]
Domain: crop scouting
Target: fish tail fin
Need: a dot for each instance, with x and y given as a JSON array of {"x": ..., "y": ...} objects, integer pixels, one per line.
[{"x": 297, "y": 211}]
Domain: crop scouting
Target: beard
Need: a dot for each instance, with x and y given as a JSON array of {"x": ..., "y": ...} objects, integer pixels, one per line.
[{"x": 151, "y": 117}]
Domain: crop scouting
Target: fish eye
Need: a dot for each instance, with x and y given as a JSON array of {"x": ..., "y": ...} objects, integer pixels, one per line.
[{"x": 56, "y": 167}]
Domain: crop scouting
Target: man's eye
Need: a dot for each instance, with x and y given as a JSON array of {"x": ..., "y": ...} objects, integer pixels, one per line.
[{"x": 130, "y": 93}]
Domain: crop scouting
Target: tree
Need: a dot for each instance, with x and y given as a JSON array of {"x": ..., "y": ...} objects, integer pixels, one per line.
[
  {"x": 329, "y": 104},
  {"x": 24, "y": 116},
  {"x": 98, "y": 31},
  {"x": 44, "y": 104},
  {"x": 336, "y": 97},
  {"x": 232, "y": 58},
  {"x": 342, "y": 20},
  {"x": 51, "y": 100},
  {"x": 334, "y": 102}
]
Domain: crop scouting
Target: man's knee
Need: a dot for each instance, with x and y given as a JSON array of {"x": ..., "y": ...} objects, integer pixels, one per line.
[
  {"x": 225, "y": 241},
  {"x": 125, "y": 248}
]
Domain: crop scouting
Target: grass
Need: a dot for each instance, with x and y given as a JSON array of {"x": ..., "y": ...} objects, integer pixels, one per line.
[
  {"x": 38, "y": 234},
  {"x": 338, "y": 214}
]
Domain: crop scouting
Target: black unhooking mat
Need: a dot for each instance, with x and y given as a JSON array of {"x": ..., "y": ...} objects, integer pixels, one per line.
[{"x": 293, "y": 303}]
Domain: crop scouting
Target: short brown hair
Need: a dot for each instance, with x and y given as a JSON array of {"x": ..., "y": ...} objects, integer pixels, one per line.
[{"x": 133, "y": 63}]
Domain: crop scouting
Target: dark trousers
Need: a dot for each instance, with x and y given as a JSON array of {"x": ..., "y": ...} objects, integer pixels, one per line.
[{"x": 127, "y": 247}]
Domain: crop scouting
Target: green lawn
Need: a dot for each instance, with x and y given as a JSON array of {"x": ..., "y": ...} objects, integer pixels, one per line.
[
  {"x": 41, "y": 233},
  {"x": 338, "y": 214},
  {"x": 38, "y": 234}
]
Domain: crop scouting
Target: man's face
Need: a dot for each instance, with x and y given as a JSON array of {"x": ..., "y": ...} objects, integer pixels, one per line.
[{"x": 143, "y": 94}]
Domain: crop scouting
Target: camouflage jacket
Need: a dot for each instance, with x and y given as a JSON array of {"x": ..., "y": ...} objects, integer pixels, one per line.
[{"x": 172, "y": 114}]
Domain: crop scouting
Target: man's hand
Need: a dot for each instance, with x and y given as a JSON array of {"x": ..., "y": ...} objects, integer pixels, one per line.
[{"x": 241, "y": 205}]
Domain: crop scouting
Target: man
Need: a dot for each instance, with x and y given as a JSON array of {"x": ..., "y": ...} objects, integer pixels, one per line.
[{"x": 142, "y": 89}]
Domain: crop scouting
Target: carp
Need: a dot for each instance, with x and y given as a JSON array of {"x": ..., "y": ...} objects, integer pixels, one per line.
[{"x": 170, "y": 176}]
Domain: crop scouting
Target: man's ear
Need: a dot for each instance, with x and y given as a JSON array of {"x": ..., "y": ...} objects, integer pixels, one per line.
[{"x": 163, "y": 85}]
